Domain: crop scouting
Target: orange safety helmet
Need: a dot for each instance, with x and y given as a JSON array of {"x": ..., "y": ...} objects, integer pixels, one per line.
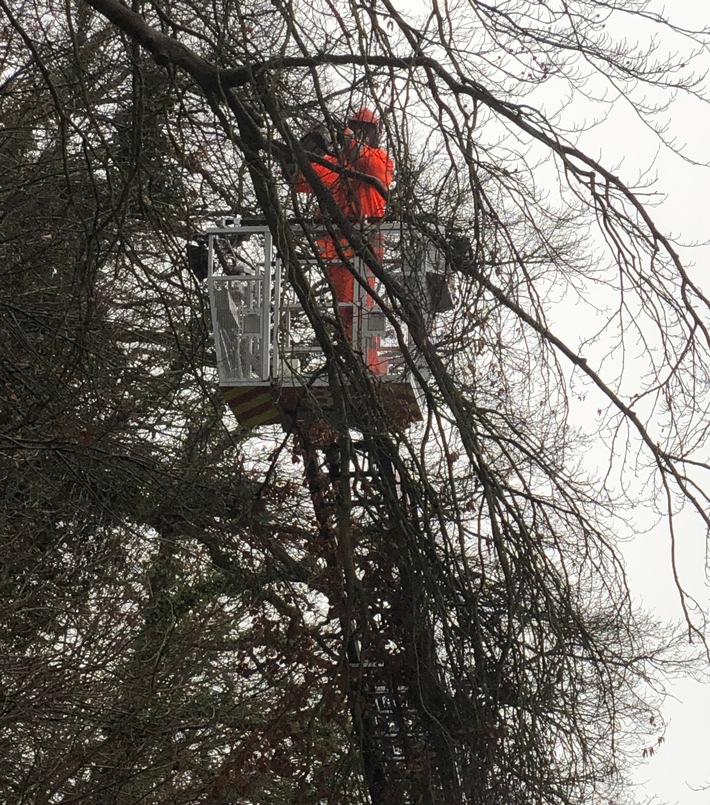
[{"x": 365, "y": 116}]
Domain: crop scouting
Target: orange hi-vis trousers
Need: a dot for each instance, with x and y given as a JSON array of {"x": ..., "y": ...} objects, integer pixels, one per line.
[{"x": 343, "y": 282}]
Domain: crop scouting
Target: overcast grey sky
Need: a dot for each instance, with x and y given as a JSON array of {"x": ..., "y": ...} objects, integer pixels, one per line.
[{"x": 682, "y": 762}]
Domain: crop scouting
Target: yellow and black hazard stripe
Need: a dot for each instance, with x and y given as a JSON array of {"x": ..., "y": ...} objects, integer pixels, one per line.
[
  {"x": 285, "y": 405},
  {"x": 252, "y": 405}
]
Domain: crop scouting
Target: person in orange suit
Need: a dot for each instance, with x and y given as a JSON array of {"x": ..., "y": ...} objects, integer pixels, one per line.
[{"x": 358, "y": 179}]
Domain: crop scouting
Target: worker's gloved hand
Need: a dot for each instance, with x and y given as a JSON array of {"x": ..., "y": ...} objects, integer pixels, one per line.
[
  {"x": 316, "y": 141},
  {"x": 352, "y": 147}
]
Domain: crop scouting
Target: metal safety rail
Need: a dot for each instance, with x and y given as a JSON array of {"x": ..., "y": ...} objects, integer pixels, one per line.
[{"x": 244, "y": 282}]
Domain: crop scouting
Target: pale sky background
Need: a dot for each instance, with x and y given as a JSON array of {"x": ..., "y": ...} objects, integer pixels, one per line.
[
  {"x": 683, "y": 762},
  {"x": 622, "y": 144}
]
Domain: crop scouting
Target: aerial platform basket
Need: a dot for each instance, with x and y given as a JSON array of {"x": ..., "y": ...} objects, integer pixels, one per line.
[{"x": 270, "y": 365}]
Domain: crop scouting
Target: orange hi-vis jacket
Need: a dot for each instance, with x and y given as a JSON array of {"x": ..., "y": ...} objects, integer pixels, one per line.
[
  {"x": 360, "y": 201},
  {"x": 357, "y": 198}
]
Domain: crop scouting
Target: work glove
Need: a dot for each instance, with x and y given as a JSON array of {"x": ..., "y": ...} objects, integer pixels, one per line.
[{"x": 316, "y": 141}]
